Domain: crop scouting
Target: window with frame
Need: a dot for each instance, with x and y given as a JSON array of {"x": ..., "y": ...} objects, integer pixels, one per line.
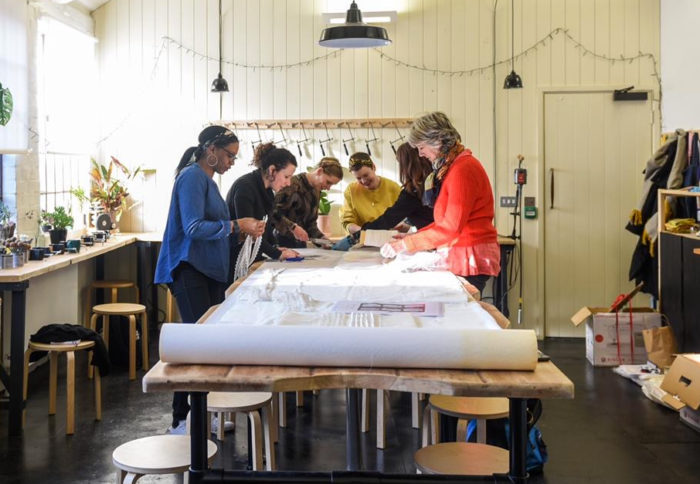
[{"x": 66, "y": 80}]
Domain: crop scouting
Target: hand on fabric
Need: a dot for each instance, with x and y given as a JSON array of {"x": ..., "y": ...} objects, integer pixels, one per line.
[
  {"x": 288, "y": 253},
  {"x": 344, "y": 244},
  {"x": 353, "y": 228},
  {"x": 392, "y": 249},
  {"x": 300, "y": 233},
  {"x": 251, "y": 226},
  {"x": 402, "y": 227}
]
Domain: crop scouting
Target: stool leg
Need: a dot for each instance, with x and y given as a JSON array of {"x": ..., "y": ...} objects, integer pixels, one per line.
[
  {"x": 105, "y": 329},
  {"x": 168, "y": 307},
  {"x": 121, "y": 475},
  {"x": 138, "y": 294},
  {"x": 25, "y": 384},
  {"x": 88, "y": 305},
  {"x": 283, "y": 409},
  {"x": 481, "y": 431},
  {"x": 220, "y": 429},
  {"x": 274, "y": 417},
  {"x": 70, "y": 392},
  {"x": 426, "y": 427},
  {"x": 462, "y": 430},
  {"x": 300, "y": 399},
  {"x": 364, "y": 418},
  {"x": 144, "y": 339},
  {"x": 98, "y": 395},
  {"x": 256, "y": 441},
  {"x": 132, "y": 347},
  {"x": 115, "y": 295},
  {"x": 93, "y": 326},
  {"x": 132, "y": 477},
  {"x": 415, "y": 411},
  {"x": 53, "y": 377},
  {"x": 381, "y": 418},
  {"x": 434, "y": 426},
  {"x": 267, "y": 417}
]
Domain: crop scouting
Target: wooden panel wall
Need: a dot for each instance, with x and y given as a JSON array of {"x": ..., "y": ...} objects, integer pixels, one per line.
[{"x": 151, "y": 114}]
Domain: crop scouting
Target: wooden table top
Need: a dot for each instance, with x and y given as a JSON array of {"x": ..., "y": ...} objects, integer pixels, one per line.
[
  {"x": 35, "y": 268},
  {"x": 546, "y": 381}
]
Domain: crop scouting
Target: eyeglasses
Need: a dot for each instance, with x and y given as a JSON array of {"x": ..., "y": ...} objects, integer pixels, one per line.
[
  {"x": 358, "y": 162},
  {"x": 232, "y": 156}
]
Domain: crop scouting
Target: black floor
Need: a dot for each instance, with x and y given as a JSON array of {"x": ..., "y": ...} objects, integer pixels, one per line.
[{"x": 610, "y": 433}]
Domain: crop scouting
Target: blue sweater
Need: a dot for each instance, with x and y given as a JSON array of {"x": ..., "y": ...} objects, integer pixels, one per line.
[{"x": 198, "y": 228}]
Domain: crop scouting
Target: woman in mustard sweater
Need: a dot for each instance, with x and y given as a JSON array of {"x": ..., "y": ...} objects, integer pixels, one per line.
[{"x": 369, "y": 196}]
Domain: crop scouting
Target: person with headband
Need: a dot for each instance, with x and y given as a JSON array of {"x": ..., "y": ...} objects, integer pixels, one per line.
[
  {"x": 367, "y": 197},
  {"x": 296, "y": 206},
  {"x": 253, "y": 195},
  {"x": 194, "y": 256},
  {"x": 460, "y": 193}
]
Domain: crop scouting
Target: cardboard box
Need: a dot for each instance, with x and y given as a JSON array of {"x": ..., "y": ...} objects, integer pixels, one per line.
[
  {"x": 608, "y": 340},
  {"x": 682, "y": 382}
]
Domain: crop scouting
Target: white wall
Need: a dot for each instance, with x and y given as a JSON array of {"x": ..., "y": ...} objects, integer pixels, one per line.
[{"x": 680, "y": 64}]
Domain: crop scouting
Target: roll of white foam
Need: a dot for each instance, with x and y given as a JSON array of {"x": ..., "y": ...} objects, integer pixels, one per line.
[{"x": 387, "y": 347}]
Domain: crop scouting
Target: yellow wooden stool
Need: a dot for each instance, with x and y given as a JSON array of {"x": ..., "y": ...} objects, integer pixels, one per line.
[
  {"x": 462, "y": 458},
  {"x": 114, "y": 287},
  {"x": 158, "y": 454},
  {"x": 69, "y": 350},
  {"x": 463, "y": 408},
  {"x": 130, "y": 311},
  {"x": 248, "y": 402}
]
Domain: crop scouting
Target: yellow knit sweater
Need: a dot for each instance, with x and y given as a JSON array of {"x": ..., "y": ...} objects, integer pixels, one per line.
[{"x": 363, "y": 205}]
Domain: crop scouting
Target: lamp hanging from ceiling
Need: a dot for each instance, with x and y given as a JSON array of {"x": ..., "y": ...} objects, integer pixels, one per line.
[
  {"x": 354, "y": 33},
  {"x": 219, "y": 84},
  {"x": 513, "y": 80}
]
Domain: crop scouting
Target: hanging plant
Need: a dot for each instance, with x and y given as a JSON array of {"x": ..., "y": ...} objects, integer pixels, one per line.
[{"x": 5, "y": 105}]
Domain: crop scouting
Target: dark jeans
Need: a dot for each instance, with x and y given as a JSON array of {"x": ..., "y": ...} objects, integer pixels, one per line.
[
  {"x": 194, "y": 293},
  {"x": 290, "y": 242},
  {"x": 478, "y": 281}
]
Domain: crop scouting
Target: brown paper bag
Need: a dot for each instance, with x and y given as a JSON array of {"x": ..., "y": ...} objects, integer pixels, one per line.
[{"x": 660, "y": 345}]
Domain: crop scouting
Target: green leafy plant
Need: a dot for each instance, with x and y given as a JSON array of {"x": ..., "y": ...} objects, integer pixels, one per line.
[
  {"x": 324, "y": 205},
  {"x": 5, "y": 213},
  {"x": 5, "y": 105},
  {"x": 108, "y": 186},
  {"x": 58, "y": 219}
]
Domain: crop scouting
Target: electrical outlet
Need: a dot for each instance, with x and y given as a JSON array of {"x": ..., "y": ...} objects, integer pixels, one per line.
[{"x": 508, "y": 201}]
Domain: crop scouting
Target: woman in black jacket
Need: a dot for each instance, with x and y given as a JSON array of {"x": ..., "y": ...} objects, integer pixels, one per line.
[
  {"x": 413, "y": 170},
  {"x": 253, "y": 194}
]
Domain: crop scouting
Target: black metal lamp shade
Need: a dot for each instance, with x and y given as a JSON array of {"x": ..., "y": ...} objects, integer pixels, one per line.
[
  {"x": 219, "y": 84},
  {"x": 513, "y": 81},
  {"x": 354, "y": 33}
]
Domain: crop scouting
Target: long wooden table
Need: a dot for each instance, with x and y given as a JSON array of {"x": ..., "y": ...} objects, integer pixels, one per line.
[
  {"x": 16, "y": 281},
  {"x": 546, "y": 381}
]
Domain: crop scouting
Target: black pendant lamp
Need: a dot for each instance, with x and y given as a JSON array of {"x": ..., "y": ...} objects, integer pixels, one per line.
[
  {"x": 513, "y": 80},
  {"x": 354, "y": 33},
  {"x": 219, "y": 84}
]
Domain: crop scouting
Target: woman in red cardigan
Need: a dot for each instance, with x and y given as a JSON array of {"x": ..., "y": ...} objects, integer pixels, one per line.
[{"x": 462, "y": 199}]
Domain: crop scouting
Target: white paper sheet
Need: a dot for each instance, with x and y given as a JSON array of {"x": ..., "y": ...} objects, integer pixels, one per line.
[{"x": 282, "y": 314}]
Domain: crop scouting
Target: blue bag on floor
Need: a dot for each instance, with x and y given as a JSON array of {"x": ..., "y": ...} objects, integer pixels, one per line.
[{"x": 498, "y": 434}]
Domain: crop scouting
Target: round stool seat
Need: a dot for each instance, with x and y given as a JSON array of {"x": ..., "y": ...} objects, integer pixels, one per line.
[
  {"x": 470, "y": 407},
  {"x": 237, "y": 401},
  {"x": 158, "y": 454},
  {"x": 112, "y": 284},
  {"x": 119, "y": 309},
  {"x": 462, "y": 458},
  {"x": 83, "y": 345}
]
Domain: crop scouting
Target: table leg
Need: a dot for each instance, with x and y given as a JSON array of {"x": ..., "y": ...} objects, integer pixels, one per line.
[
  {"x": 518, "y": 439},
  {"x": 352, "y": 430},
  {"x": 17, "y": 357},
  {"x": 198, "y": 436}
]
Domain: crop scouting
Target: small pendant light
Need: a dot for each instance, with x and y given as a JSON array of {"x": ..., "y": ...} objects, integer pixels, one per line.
[
  {"x": 219, "y": 84},
  {"x": 354, "y": 33},
  {"x": 513, "y": 80}
]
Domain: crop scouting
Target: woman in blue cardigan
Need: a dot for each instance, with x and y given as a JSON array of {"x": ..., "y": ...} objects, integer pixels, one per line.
[{"x": 194, "y": 257}]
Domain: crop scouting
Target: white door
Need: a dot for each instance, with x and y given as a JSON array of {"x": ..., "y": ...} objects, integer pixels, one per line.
[{"x": 595, "y": 151}]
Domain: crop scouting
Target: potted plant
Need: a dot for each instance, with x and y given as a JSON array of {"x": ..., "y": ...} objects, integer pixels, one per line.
[
  {"x": 108, "y": 187},
  {"x": 7, "y": 226},
  {"x": 324, "y": 208},
  {"x": 57, "y": 223}
]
